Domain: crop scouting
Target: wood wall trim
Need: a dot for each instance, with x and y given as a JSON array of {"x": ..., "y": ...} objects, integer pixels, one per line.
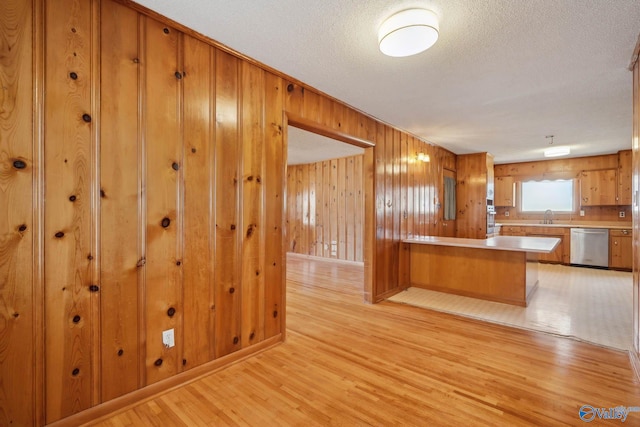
[
  {"x": 315, "y": 127},
  {"x": 635, "y": 363},
  {"x": 636, "y": 54},
  {"x": 159, "y": 388},
  {"x": 38, "y": 209}
]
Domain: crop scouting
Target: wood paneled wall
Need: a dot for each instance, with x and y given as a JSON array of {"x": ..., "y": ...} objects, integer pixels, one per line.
[
  {"x": 562, "y": 169},
  {"x": 325, "y": 209},
  {"x": 635, "y": 188},
  {"x": 142, "y": 189}
]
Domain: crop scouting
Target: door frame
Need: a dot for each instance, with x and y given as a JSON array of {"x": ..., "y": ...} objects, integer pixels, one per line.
[{"x": 368, "y": 181}]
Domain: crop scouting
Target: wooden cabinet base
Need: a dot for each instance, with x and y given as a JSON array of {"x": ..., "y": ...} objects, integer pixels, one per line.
[{"x": 502, "y": 276}]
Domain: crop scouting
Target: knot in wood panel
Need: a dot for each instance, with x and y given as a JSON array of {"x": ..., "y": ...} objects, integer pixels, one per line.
[
  {"x": 236, "y": 340},
  {"x": 59, "y": 235},
  {"x": 250, "y": 230},
  {"x": 141, "y": 262},
  {"x": 22, "y": 228},
  {"x": 94, "y": 288},
  {"x": 86, "y": 117},
  {"x": 120, "y": 352},
  {"x": 76, "y": 319},
  {"x": 19, "y": 164},
  {"x": 72, "y": 198},
  {"x": 165, "y": 222},
  {"x": 171, "y": 312},
  {"x": 158, "y": 362},
  {"x": 175, "y": 166},
  {"x": 73, "y": 75},
  {"x": 75, "y": 372}
]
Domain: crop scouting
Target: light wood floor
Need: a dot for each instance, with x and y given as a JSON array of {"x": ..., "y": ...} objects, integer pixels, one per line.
[{"x": 347, "y": 363}]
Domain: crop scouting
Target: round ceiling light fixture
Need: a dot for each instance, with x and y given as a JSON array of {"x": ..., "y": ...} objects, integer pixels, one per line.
[{"x": 408, "y": 32}]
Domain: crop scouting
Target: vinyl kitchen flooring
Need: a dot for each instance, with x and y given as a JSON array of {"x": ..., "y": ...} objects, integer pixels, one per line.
[{"x": 583, "y": 303}]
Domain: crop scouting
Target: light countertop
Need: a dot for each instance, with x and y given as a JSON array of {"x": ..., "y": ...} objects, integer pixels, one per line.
[
  {"x": 574, "y": 224},
  {"x": 543, "y": 245}
]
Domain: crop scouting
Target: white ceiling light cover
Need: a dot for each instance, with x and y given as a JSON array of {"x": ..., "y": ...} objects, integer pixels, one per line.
[
  {"x": 557, "y": 151},
  {"x": 408, "y": 32}
]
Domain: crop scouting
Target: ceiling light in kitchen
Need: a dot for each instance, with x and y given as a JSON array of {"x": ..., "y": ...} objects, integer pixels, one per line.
[
  {"x": 408, "y": 32},
  {"x": 557, "y": 151}
]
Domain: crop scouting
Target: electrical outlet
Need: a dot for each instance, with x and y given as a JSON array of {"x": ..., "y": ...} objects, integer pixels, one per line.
[
  {"x": 581, "y": 212},
  {"x": 168, "y": 339},
  {"x": 621, "y": 214},
  {"x": 506, "y": 213}
]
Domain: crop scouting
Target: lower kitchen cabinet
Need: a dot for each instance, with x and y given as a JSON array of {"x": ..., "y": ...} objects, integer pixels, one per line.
[
  {"x": 620, "y": 249},
  {"x": 560, "y": 255}
]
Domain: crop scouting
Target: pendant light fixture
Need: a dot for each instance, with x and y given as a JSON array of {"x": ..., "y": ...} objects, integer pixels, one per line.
[{"x": 408, "y": 32}]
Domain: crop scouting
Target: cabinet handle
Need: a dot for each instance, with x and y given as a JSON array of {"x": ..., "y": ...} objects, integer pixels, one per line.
[{"x": 615, "y": 243}]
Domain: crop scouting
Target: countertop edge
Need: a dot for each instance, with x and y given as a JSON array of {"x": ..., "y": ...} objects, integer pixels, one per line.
[{"x": 498, "y": 243}]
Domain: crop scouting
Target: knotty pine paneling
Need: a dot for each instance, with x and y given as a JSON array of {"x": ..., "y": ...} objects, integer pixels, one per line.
[
  {"x": 120, "y": 206},
  {"x": 635, "y": 188},
  {"x": 327, "y": 195},
  {"x": 162, "y": 133},
  {"x": 253, "y": 245},
  {"x": 18, "y": 226},
  {"x": 68, "y": 211},
  {"x": 273, "y": 189},
  {"x": 562, "y": 169},
  {"x": 227, "y": 208},
  {"x": 163, "y": 207},
  {"x": 199, "y": 188}
]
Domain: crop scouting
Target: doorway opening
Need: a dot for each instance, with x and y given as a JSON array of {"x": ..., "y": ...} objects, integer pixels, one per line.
[{"x": 329, "y": 196}]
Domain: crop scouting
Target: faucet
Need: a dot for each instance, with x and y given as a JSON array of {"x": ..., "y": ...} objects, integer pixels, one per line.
[{"x": 548, "y": 217}]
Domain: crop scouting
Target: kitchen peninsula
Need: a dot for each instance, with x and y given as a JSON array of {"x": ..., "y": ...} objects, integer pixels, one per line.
[{"x": 502, "y": 268}]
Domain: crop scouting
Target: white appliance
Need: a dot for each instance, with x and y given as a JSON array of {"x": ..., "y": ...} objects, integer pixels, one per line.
[{"x": 590, "y": 246}]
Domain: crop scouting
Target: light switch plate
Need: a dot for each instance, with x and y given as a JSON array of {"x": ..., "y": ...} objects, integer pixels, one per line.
[
  {"x": 581, "y": 212},
  {"x": 506, "y": 213},
  {"x": 168, "y": 338}
]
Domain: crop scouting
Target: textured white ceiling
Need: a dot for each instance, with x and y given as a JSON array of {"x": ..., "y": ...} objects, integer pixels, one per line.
[{"x": 503, "y": 74}]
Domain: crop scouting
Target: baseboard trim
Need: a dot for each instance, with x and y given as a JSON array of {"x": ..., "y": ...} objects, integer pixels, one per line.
[
  {"x": 119, "y": 404},
  {"x": 319, "y": 258},
  {"x": 635, "y": 363},
  {"x": 388, "y": 294}
]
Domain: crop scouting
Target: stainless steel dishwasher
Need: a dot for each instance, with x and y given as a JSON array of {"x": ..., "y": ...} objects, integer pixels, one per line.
[{"x": 590, "y": 246}]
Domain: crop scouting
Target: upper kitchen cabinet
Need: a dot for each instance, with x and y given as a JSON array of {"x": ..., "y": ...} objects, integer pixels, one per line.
[
  {"x": 598, "y": 187},
  {"x": 505, "y": 191},
  {"x": 474, "y": 187},
  {"x": 608, "y": 187},
  {"x": 625, "y": 171}
]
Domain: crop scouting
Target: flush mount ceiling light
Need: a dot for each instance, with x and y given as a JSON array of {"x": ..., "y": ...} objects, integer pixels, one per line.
[
  {"x": 557, "y": 151},
  {"x": 408, "y": 32}
]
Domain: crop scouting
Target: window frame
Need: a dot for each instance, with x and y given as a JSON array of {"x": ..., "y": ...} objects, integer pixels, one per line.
[{"x": 574, "y": 197}]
